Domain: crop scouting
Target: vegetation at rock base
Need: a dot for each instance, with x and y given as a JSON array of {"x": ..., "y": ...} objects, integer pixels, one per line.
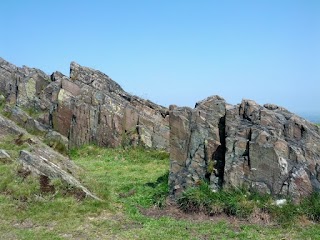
[
  {"x": 244, "y": 204},
  {"x": 131, "y": 182}
]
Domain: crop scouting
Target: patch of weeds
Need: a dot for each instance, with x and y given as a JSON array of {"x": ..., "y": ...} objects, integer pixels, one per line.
[
  {"x": 286, "y": 214},
  {"x": 85, "y": 151},
  {"x": 13, "y": 144},
  {"x": 311, "y": 207},
  {"x": 161, "y": 190},
  {"x": 197, "y": 199},
  {"x": 161, "y": 155},
  {"x": 242, "y": 203},
  {"x": 57, "y": 145},
  {"x": 236, "y": 203},
  {"x": 2, "y": 102},
  {"x": 129, "y": 138},
  {"x": 19, "y": 184},
  {"x": 32, "y": 112}
]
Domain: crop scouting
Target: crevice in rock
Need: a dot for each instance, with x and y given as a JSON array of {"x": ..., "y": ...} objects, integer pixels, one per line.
[
  {"x": 303, "y": 130},
  {"x": 222, "y": 135},
  {"x": 125, "y": 97},
  {"x": 248, "y": 148},
  {"x": 220, "y": 154},
  {"x": 99, "y": 114},
  {"x": 16, "y": 89}
]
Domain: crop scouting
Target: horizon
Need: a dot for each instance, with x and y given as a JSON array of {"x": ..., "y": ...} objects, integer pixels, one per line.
[{"x": 177, "y": 52}]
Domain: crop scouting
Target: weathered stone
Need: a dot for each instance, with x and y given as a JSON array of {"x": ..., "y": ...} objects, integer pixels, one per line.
[
  {"x": 41, "y": 159},
  {"x": 196, "y": 151},
  {"x": 278, "y": 143},
  {"x": 24, "y": 120},
  {"x": 266, "y": 148},
  {"x": 42, "y": 166},
  {"x": 88, "y": 107},
  {"x": 56, "y": 140}
]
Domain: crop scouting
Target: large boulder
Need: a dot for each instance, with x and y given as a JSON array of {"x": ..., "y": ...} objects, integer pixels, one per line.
[
  {"x": 272, "y": 150},
  {"x": 265, "y": 148}
]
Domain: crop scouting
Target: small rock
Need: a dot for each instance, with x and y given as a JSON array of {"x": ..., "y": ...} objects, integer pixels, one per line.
[{"x": 280, "y": 202}]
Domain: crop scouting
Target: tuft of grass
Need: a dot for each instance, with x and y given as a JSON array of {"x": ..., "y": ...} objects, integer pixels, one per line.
[
  {"x": 58, "y": 146},
  {"x": 16, "y": 183},
  {"x": 233, "y": 202},
  {"x": 160, "y": 190},
  {"x": 311, "y": 206},
  {"x": 8, "y": 143},
  {"x": 285, "y": 215},
  {"x": 243, "y": 203}
]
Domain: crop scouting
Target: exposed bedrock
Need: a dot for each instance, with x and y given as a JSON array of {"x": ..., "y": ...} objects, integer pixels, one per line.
[
  {"x": 265, "y": 148},
  {"x": 87, "y": 107}
]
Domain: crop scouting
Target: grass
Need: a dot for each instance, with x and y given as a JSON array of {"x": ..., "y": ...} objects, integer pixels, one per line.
[
  {"x": 127, "y": 180},
  {"x": 242, "y": 203}
]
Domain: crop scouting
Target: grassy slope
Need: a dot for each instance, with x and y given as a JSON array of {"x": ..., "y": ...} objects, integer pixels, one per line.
[{"x": 113, "y": 174}]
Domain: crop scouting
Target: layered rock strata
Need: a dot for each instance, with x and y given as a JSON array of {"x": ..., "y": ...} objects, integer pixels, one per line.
[
  {"x": 87, "y": 107},
  {"x": 265, "y": 148}
]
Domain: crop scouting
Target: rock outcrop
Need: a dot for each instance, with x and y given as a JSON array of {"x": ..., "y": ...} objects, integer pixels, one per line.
[
  {"x": 88, "y": 107},
  {"x": 196, "y": 151},
  {"x": 265, "y": 148}
]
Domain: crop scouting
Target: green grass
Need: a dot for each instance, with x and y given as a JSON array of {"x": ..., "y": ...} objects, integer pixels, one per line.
[{"x": 127, "y": 180}]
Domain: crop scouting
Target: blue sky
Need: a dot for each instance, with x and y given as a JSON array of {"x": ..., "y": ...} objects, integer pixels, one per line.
[{"x": 176, "y": 51}]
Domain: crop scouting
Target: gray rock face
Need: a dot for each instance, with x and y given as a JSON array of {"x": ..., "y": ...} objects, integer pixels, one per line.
[
  {"x": 196, "y": 144},
  {"x": 272, "y": 150},
  {"x": 265, "y": 148},
  {"x": 88, "y": 107}
]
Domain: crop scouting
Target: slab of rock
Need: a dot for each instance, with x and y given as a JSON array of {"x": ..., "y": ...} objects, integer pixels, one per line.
[
  {"x": 41, "y": 159},
  {"x": 42, "y": 166}
]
